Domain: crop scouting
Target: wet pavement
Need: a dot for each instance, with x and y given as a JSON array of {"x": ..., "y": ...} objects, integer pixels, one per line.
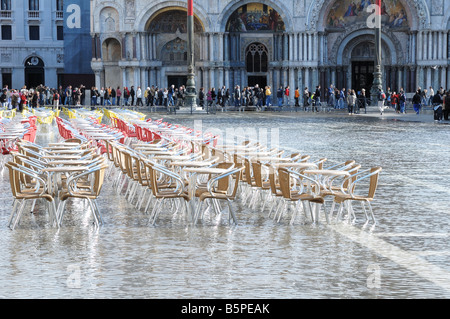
[{"x": 406, "y": 255}]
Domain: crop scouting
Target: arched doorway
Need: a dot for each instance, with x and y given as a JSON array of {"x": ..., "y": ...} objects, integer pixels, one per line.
[
  {"x": 112, "y": 54},
  {"x": 167, "y": 30},
  {"x": 34, "y": 72},
  {"x": 257, "y": 64}
]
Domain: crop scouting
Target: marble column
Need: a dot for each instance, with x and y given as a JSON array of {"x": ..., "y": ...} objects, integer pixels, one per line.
[
  {"x": 316, "y": 53},
  {"x": 300, "y": 79},
  {"x": 425, "y": 45},
  {"x": 310, "y": 52},
  {"x": 445, "y": 46},
  {"x": 124, "y": 77},
  {"x": 419, "y": 46},
  {"x": 295, "y": 47},
  {"x": 220, "y": 38},
  {"x": 212, "y": 52},
  {"x": 444, "y": 78},
  {"x": 292, "y": 85},
  {"x": 291, "y": 47},
  {"x": 226, "y": 38},
  {"x": 307, "y": 83},
  {"x": 212, "y": 82},
  {"x": 221, "y": 81},
  {"x": 227, "y": 78},
  {"x": 428, "y": 70},
  {"x": 286, "y": 47}
]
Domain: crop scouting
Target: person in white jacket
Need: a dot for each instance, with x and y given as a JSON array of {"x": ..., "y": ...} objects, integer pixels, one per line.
[{"x": 139, "y": 97}]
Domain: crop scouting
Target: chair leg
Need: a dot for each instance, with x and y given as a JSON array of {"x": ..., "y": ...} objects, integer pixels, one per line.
[
  {"x": 61, "y": 211},
  {"x": 148, "y": 203},
  {"x": 93, "y": 212},
  {"x": 231, "y": 212},
  {"x": 18, "y": 215},
  {"x": 197, "y": 212},
  {"x": 99, "y": 216},
  {"x": 17, "y": 203}
]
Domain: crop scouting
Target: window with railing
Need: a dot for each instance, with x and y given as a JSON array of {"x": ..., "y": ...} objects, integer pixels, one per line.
[
  {"x": 59, "y": 9},
  {"x": 6, "y": 5},
  {"x": 59, "y": 5},
  {"x": 33, "y": 5},
  {"x": 5, "y": 9}
]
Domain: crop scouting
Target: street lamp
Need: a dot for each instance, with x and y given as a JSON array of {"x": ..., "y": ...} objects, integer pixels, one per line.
[
  {"x": 377, "y": 75},
  {"x": 191, "y": 96}
]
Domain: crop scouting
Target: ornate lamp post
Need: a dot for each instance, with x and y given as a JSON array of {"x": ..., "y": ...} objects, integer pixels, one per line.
[
  {"x": 377, "y": 75},
  {"x": 191, "y": 96}
]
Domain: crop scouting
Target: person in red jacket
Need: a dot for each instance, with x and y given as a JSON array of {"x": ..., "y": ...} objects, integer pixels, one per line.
[{"x": 394, "y": 102}]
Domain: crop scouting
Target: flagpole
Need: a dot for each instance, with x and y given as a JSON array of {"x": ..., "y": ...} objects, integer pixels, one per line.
[
  {"x": 377, "y": 81},
  {"x": 191, "y": 96}
]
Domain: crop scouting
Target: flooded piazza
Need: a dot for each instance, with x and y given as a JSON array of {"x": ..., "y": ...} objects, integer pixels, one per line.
[{"x": 406, "y": 255}]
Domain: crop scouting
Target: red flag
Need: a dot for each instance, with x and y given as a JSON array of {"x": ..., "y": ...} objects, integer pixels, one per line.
[{"x": 190, "y": 8}]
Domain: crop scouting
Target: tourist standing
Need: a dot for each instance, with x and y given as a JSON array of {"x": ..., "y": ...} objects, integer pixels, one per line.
[
  {"x": 113, "y": 96},
  {"x": 351, "y": 101},
  {"x": 237, "y": 96},
  {"x": 201, "y": 97},
  {"x": 280, "y": 97},
  {"x": 402, "y": 101},
  {"x": 437, "y": 102},
  {"x": 132, "y": 95},
  {"x": 394, "y": 101},
  {"x": 317, "y": 102},
  {"x": 268, "y": 93},
  {"x": 297, "y": 97},
  {"x": 416, "y": 101},
  {"x": 381, "y": 100},
  {"x": 126, "y": 96},
  {"x": 446, "y": 105},
  {"x": 119, "y": 95},
  {"x": 287, "y": 92},
  {"x": 139, "y": 97},
  {"x": 56, "y": 100}
]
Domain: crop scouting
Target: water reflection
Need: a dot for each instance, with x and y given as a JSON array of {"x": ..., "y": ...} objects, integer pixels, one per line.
[{"x": 260, "y": 258}]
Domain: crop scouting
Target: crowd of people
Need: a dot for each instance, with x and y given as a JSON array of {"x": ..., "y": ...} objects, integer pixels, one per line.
[
  {"x": 241, "y": 98},
  {"x": 42, "y": 96}
]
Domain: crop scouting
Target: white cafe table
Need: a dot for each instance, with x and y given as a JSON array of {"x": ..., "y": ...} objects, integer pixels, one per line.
[
  {"x": 325, "y": 177},
  {"x": 295, "y": 165},
  {"x": 193, "y": 174},
  {"x": 272, "y": 159},
  {"x": 172, "y": 157},
  {"x": 55, "y": 172}
]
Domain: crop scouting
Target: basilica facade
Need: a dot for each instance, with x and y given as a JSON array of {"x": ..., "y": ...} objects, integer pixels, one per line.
[{"x": 296, "y": 43}]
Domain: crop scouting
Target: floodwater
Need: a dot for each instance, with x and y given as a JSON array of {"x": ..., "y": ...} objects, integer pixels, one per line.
[{"x": 406, "y": 255}]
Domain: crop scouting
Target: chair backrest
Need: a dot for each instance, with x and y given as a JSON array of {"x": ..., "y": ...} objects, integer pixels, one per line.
[
  {"x": 285, "y": 182},
  {"x": 248, "y": 171},
  {"x": 372, "y": 173},
  {"x": 375, "y": 173},
  {"x": 257, "y": 173},
  {"x": 223, "y": 184},
  {"x": 273, "y": 180}
]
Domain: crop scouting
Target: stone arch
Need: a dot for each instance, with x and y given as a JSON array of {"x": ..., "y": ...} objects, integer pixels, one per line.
[
  {"x": 349, "y": 39},
  {"x": 109, "y": 20},
  {"x": 108, "y": 6},
  {"x": 111, "y": 50},
  {"x": 34, "y": 71},
  {"x": 171, "y": 20},
  {"x": 279, "y": 6},
  {"x": 417, "y": 11},
  {"x": 144, "y": 18}
]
